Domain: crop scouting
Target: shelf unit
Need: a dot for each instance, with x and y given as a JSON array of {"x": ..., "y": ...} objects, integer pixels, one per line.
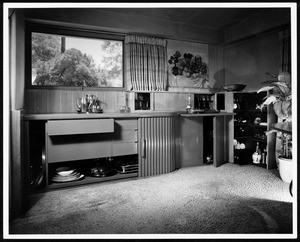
[
  {"x": 80, "y": 144},
  {"x": 250, "y": 126}
]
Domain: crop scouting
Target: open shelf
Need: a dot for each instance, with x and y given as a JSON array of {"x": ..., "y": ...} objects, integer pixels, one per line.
[
  {"x": 90, "y": 179},
  {"x": 249, "y": 132}
]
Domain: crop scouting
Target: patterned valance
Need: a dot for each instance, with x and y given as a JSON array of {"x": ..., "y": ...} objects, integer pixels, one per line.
[
  {"x": 146, "y": 63},
  {"x": 145, "y": 40}
]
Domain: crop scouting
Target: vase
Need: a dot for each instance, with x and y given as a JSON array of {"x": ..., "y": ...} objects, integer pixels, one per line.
[{"x": 285, "y": 167}]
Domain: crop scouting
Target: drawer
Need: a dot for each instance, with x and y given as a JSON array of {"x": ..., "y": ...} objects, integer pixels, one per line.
[{"x": 70, "y": 127}]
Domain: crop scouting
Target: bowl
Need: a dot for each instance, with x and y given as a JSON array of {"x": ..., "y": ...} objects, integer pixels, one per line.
[
  {"x": 234, "y": 87},
  {"x": 64, "y": 171},
  {"x": 101, "y": 171}
]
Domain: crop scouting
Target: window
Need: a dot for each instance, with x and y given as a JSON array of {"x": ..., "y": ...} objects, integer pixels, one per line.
[{"x": 70, "y": 58}]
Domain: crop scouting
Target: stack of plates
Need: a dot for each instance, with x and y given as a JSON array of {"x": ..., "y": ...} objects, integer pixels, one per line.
[
  {"x": 128, "y": 166},
  {"x": 66, "y": 174}
]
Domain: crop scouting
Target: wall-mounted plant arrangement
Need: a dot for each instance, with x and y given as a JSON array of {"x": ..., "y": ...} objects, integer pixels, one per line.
[{"x": 191, "y": 67}]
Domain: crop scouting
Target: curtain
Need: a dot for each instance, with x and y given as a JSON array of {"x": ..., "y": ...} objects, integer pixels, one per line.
[
  {"x": 285, "y": 50},
  {"x": 146, "y": 63}
]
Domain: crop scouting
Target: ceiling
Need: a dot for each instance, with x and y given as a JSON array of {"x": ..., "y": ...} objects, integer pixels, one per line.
[{"x": 211, "y": 18}]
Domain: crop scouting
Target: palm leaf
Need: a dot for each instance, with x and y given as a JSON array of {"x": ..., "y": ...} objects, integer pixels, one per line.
[
  {"x": 269, "y": 81},
  {"x": 269, "y": 100},
  {"x": 275, "y": 95},
  {"x": 271, "y": 74},
  {"x": 265, "y": 89}
]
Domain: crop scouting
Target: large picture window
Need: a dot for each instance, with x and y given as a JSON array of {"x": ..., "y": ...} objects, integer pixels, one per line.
[{"x": 75, "y": 61}]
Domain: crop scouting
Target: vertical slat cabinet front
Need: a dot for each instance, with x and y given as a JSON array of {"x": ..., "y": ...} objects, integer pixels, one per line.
[{"x": 156, "y": 145}]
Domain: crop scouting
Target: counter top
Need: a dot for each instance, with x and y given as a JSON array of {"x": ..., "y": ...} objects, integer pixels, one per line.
[
  {"x": 205, "y": 114},
  {"x": 53, "y": 116},
  {"x": 60, "y": 116}
]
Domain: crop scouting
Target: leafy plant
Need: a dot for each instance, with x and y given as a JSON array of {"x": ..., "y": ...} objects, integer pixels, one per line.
[{"x": 279, "y": 94}]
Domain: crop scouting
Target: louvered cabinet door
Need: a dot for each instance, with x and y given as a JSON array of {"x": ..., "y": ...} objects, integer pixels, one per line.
[{"x": 156, "y": 145}]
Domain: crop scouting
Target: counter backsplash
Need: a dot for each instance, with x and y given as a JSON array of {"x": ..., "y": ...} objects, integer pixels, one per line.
[{"x": 64, "y": 101}]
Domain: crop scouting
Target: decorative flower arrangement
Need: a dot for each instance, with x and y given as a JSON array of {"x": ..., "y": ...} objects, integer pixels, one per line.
[
  {"x": 188, "y": 66},
  {"x": 174, "y": 59}
]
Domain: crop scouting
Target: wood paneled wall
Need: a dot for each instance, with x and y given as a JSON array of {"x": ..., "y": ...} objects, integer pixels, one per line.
[
  {"x": 216, "y": 66},
  {"x": 64, "y": 101},
  {"x": 246, "y": 62},
  {"x": 17, "y": 59},
  {"x": 170, "y": 101},
  {"x": 101, "y": 19},
  {"x": 259, "y": 23},
  {"x": 16, "y": 181}
]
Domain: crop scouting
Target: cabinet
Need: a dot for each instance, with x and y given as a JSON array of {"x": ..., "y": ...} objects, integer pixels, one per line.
[
  {"x": 250, "y": 126},
  {"x": 80, "y": 145},
  {"x": 156, "y": 145},
  {"x": 205, "y": 135}
]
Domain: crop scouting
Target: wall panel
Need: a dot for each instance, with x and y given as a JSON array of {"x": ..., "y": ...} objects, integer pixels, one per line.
[
  {"x": 246, "y": 62},
  {"x": 64, "y": 101}
]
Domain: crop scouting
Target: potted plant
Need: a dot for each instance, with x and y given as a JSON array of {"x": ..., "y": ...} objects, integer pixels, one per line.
[{"x": 279, "y": 94}]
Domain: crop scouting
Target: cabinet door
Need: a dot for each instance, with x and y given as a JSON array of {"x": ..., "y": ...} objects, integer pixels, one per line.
[
  {"x": 191, "y": 145},
  {"x": 223, "y": 140},
  {"x": 156, "y": 145}
]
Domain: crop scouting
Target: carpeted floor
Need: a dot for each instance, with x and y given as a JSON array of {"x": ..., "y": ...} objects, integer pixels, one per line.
[{"x": 230, "y": 199}]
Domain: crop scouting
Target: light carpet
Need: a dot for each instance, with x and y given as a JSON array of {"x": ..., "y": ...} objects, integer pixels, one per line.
[{"x": 230, "y": 199}]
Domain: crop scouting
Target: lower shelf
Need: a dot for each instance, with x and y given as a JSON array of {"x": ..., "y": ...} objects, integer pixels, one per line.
[{"x": 89, "y": 180}]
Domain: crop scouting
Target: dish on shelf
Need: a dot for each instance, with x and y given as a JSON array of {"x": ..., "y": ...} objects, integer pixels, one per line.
[
  {"x": 64, "y": 171},
  {"x": 128, "y": 168},
  {"x": 102, "y": 171},
  {"x": 234, "y": 87},
  {"x": 72, "y": 177}
]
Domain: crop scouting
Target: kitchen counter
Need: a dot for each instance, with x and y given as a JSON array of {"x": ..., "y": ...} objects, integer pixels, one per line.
[
  {"x": 61, "y": 116},
  {"x": 204, "y": 114}
]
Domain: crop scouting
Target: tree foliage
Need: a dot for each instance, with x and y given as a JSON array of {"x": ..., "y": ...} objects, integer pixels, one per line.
[
  {"x": 112, "y": 59},
  {"x": 72, "y": 67}
]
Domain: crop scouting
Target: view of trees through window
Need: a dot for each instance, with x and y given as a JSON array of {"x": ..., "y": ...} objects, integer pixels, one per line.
[{"x": 76, "y": 61}]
